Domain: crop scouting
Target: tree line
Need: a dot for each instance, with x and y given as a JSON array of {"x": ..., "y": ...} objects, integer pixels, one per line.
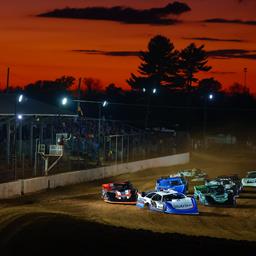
[{"x": 174, "y": 75}]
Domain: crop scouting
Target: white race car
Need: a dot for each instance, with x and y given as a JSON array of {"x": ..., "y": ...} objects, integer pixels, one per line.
[
  {"x": 168, "y": 202},
  {"x": 249, "y": 180},
  {"x": 193, "y": 174}
]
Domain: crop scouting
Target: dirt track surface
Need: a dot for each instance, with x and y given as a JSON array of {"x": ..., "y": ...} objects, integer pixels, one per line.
[{"x": 83, "y": 203}]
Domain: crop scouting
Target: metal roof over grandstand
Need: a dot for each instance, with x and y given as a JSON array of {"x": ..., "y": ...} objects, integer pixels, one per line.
[{"x": 9, "y": 106}]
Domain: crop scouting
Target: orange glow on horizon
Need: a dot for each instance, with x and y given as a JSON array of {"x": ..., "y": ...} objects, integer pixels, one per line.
[{"x": 41, "y": 48}]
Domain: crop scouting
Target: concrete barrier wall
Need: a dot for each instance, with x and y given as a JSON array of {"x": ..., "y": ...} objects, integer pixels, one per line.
[
  {"x": 34, "y": 184},
  {"x": 114, "y": 170},
  {"x": 27, "y": 186},
  {"x": 10, "y": 189}
]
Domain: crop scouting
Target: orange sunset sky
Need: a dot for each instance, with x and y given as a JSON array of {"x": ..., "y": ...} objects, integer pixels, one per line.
[{"x": 38, "y": 48}]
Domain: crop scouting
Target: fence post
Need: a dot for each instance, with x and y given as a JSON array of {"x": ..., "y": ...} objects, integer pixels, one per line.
[
  {"x": 116, "y": 150},
  {"x": 122, "y": 156}
]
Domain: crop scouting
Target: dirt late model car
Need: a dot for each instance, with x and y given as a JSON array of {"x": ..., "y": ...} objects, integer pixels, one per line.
[
  {"x": 193, "y": 174},
  {"x": 214, "y": 195},
  {"x": 122, "y": 193},
  {"x": 175, "y": 183},
  {"x": 230, "y": 183},
  {"x": 167, "y": 202},
  {"x": 249, "y": 180}
]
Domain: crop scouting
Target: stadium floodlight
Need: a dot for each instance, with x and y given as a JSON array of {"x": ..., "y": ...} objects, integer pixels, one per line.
[
  {"x": 104, "y": 103},
  {"x": 20, "y": 98},
  {"x": 64, "y": 101},
  {"x": 154, "y": 91},
  {"x": 210, "y": 96},
  {"x": 19, "y": 116}
]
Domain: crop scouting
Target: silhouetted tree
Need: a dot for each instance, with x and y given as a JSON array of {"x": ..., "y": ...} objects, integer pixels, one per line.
[
  {"x": 192, "y": 60},
  {"x": 92, "y": 84},
  {"x": 159, "y": 65},
  {"x": 92, "y": 89},
  {"x": 50, "y": 90},
  {"x": 236, "y": 89},
  {"x": 209, "y": 85},
  {"x": 113, "y": 91}
]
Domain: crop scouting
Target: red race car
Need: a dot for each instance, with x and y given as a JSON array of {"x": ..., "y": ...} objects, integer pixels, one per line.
[{"x": 119, "y": 193}]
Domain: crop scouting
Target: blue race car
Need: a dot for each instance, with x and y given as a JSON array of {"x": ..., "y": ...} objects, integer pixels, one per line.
[
  {"x": 167, "y": 202},
  {"x": 176, "y": 183}
]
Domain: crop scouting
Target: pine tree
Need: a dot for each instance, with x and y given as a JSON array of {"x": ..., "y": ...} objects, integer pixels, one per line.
[
  {"x": 192, "y": 60},
  {"x": 159, "y": 65}
]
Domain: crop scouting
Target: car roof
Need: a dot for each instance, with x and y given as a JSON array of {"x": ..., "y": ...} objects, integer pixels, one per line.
[
  {"x": 171, "y": 178},
  {"x": 169, "y": 192}
]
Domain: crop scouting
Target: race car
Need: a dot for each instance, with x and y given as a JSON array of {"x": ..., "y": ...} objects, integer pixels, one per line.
[
  {"x": 122, "y": 193},
  {"x": 249, "y": 180},
  {"x": 214, "y": 194},
  {"x": 230, "y": 183},
  {"x": 167, "y": 202},
  {"x": 193, "y": 174},
  {"x": 176, "y": 183}
]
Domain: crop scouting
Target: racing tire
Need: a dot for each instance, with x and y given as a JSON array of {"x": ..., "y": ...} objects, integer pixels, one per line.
[
  {"x": 209, "y": 200},
  {"x": 232, "y": 200},
  {"x": 146, "y": 206}
]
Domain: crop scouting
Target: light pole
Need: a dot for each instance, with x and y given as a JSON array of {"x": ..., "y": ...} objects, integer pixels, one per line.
[
  {"x": 151, "y": 92},
  {"x": 100, "y": 106},
  {"x": 18, "y": 100},
  {"x": 207, "y": 97},
  {"x": 245, "y": 76}
]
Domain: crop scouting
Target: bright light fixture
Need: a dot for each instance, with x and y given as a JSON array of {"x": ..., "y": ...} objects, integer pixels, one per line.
[
  {"x": 64, "y": 101},
  {"x": 105, "y": 103},
  {"x": 20, "y": 99}
]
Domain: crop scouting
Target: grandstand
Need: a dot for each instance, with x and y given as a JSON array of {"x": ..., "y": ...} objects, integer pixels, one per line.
[{"x": 88, "y": 142}]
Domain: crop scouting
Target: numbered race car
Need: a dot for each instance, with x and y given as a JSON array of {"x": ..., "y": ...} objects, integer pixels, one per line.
[
  {"x": 232, "y": 182},
  {"x": 193, "y": 175},
  {"x": 167, "y": 202},
  {"x": 214, "y": 195},
  {"x": 176, "y": 183},
  {"x": 119, "y": 193},
  {"x": 249, "y": 180}
]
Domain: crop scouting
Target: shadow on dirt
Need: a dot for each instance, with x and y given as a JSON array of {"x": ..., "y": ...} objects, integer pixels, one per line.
[
  {"x": 38, "y": 234},
  {"x": 247, "y": 196},
  {"x": 213, "y": 214},
  {"x": 86, "y": 197},
  {"x": 248, "y": 206}
]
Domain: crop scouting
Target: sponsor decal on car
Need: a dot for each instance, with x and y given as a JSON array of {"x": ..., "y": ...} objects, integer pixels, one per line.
[{"x": 182, "y": 204}]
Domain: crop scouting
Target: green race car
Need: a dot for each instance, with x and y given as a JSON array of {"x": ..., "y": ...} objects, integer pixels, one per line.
[{"x": 214, "y": 195}]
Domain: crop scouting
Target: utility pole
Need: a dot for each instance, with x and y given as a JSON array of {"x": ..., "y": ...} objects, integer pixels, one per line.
[
  {"x": 79, "y": 96},
  {"x": 245, "y": 76},
  {"x": 7, "y": 80}
]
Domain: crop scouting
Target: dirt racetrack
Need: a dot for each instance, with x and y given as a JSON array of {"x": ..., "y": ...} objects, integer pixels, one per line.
[{"x": 77, "y": 216}]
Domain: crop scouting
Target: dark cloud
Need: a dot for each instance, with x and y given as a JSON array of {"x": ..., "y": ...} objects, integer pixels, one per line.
[
  {"x": 232, "y": 54},
  {"x": 220, "y": 20},
  {"x": 223, "y": 72},
  {"x": 153, "y": 16},
  {"x": 110, "y": 53},
  {"x": 216, "y": 54},
  {"x": 210, "y": 39}
]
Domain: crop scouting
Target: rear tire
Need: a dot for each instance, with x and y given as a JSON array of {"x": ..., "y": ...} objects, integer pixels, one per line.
[{"x": 146, "y": 206}]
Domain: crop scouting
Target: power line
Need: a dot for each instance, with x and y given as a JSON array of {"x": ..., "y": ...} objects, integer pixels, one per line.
[{"x": 168, "y": 106}]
